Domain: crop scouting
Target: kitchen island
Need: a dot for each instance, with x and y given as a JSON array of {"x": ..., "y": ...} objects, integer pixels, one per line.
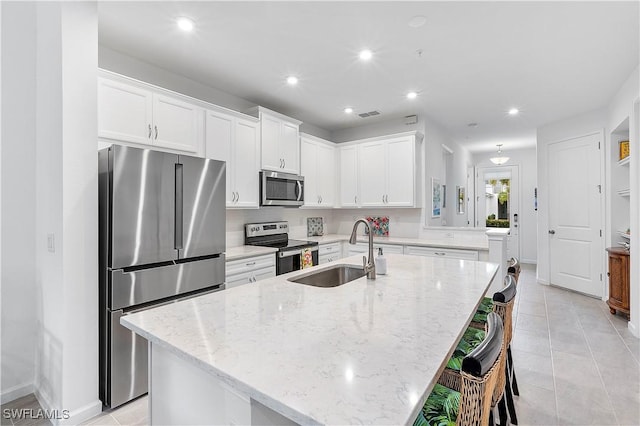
[{"x": 272, "y": 352}]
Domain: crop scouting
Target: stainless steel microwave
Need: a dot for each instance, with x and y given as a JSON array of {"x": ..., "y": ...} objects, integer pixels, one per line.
[{"x": 281, "y": 189}]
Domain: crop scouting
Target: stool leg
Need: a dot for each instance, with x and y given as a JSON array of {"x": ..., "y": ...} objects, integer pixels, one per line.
[
  {"x": 510, "y": 405},
  {"x": 502, "y": 412},
  {"x": 512, "y": 373}
]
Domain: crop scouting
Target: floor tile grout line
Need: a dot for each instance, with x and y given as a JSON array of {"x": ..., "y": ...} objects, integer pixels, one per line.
[
  {"x": 553, "y": 367},
  {"x": 593, "y": 359}
]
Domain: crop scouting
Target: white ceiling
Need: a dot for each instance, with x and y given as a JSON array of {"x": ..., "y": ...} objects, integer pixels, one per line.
[{"x": 549, "y": 59}]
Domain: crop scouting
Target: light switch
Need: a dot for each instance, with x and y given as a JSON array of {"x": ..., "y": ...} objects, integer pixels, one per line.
[{"x": 51, "y": 243}]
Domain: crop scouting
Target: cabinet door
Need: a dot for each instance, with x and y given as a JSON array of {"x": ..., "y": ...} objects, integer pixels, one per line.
[
  {"x": 124, "y": 112},
  {"x": 290, "y": 148},
  {"x": 270, "y": 136},
  {"x": 349, "y": 177},
  {"x": 175, "y": 124},
  {"x": 246, "y": 164},
  {"x": 617, "y": 280},
  {"x": 309, "y": 169},
  {"x": 263, "y": 274},
  {"x": 372, "y": 174},
  {"x": 218, "y": 142},
  {"x": 326, "y": 174},
  {"x": 400, "y": 173}
]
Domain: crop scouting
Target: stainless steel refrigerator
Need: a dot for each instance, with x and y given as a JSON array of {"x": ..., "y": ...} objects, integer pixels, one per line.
[{"x": 162, "y": 239}]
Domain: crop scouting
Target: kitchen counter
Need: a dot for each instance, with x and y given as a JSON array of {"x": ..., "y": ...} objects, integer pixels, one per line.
[
  {"x": 423, "y": 242},
  {"x": 367, "y": 352},
  {"x": 241, "y": 252}
]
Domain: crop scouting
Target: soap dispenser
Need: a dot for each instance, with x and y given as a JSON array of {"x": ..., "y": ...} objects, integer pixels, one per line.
[{"x": 381, "y": 263}]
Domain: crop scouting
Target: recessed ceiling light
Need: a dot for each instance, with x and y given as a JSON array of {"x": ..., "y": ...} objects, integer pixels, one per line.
[
  {"x": 185, "y": 24},
  {"x": 292, "y": 80},
  {"x": 514, "y": 111},
  {"x": 417, "y": 21},
  {"x": 412, "y": 95},
  {"x": 348, "y": 110},
  {"x": 365, "y": 55}
]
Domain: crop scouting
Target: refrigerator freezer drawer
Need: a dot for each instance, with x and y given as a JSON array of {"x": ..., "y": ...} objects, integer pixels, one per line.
[
  {"x": 127, "y": 363},
  {"x": 132, "y": 288}
]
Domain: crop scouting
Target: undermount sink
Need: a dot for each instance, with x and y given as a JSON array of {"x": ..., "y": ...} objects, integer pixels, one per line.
[{"x": 331, "y": 277}]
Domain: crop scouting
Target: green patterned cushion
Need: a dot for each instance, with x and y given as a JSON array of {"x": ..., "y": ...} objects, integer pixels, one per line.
[
  {"x": 485, "y": 307},
  {"x": 471, "y": 338},
  {"x": 441, "y": 408}
]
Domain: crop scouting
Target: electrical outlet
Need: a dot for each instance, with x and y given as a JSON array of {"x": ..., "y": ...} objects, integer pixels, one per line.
[{"x": 51, "y": 243}]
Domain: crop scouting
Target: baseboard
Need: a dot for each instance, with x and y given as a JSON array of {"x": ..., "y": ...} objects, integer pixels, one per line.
[
  {"x": 633, "y": 329},
  {"x": 83, "y": 414},
  {"x": 75, "y": 417},
  {"x": 15, "y": 392},
  {"x": 543, "y": 282}
]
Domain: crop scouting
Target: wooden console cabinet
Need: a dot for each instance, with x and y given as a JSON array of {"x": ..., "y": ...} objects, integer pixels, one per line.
[{"x": 618, "y": 280}]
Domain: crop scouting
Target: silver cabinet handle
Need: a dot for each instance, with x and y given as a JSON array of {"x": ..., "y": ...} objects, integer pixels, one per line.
[
  {"x": 149, "y": 132},
  {"x": 383, "y": 199},
  {"x": 552, "y": 232},
  {"x": 237, "y": 197},
  {"x": 355, "y": 199},
  {"x": 250, "y": 263},
  {"x": 387, "y": 198},
  {"x": 321, "y": 199},
  {"x": 233, "y": 197},
  {"x": 156, "y": 129},
  {"x": 284, "y": 163},
  {"x": 440, "y": 253}
]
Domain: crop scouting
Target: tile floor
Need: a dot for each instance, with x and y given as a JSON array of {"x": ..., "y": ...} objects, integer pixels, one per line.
[{"x": 576, "y": 364}]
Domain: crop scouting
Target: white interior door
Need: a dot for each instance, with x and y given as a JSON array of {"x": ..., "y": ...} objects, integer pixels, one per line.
[{"x": 575, "y": 217}]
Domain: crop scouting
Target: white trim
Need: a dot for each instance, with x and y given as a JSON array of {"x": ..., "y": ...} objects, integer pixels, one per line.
[
  {"x": 632, "y": 328},
  {"x": 317, "y": 139},
  {"x": 259, "y": 110},
  {"x": 529, "y": 261},
  {"x": 16, "y": 392},
  {"x": 419, "y": 138},
  {"x": 543, "y": 282},
  {"x": 83, "y": 414},
  {"x": 446, "y": 148}
]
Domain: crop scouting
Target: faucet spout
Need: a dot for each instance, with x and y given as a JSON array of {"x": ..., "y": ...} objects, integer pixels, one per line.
[{"x": 369, "y": 265}]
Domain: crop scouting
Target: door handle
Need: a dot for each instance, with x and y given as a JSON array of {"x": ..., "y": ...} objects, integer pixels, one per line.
[
  {"x": 552, "y": 232},
  {"x": 299, "y": 186}
]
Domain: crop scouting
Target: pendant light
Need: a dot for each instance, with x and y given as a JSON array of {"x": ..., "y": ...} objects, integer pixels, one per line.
[{"x": 499, "y": 159}]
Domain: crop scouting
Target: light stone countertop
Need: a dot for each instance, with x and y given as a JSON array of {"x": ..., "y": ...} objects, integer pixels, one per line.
[
  {"x": 241, "y": 252},
  {"x": 423, "y": 242},
  {"x": 367, "y": 352}
]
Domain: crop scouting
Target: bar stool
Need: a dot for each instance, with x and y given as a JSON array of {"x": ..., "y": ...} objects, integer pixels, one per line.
[
  {"x": 470, "y": 405},
  {"x": 502, "y": 304}
]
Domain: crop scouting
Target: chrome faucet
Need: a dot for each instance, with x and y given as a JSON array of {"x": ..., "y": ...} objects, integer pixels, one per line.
[{"x": 368, "y": 266}]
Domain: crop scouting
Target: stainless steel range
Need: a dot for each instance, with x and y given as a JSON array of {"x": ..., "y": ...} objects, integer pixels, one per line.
[{"x": 276, "y": 234}]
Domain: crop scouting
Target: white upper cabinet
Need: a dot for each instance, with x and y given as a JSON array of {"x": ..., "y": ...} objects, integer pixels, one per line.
[
  {"x": 318, "y": 165},
  {"x": 389, "y": 171},
  {"x": 232, "y": 138},
  {"x": 137, "y": 113},
  {"x": 124, "y": 112},
  {"x": 348, "y": 189},
  {"x": 280, "y": 140}
]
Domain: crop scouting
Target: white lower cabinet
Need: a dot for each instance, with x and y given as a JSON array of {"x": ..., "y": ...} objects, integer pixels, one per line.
[
  {"x": 364, "y": 248},
  {"x": 441, "y": 252},
  {"x": 250, "y": 270},
  {"x": 329, "y": 252}
]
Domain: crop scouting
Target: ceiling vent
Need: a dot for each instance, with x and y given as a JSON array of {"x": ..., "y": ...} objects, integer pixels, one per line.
[{"x": 369, "y": 114}]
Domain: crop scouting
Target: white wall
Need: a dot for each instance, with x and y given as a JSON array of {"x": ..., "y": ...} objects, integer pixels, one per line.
[
  {"x": 18, "y": 203},
  {"x": 53, "y": 134},
  {"x": 584, "y": 124},
  {"x": 525, "y": 159}
]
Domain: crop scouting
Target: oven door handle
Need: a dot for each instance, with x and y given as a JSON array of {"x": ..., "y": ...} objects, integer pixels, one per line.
[
  {"x": 299, "y": 190},
  {"x": 295, "y": 252}
]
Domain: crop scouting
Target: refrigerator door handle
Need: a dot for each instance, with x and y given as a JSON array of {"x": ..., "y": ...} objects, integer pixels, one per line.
[{"x": 178, "y": 206}]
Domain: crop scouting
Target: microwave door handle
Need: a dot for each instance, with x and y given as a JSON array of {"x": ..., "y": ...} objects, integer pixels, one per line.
[{"x": 299, "y": 191}]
